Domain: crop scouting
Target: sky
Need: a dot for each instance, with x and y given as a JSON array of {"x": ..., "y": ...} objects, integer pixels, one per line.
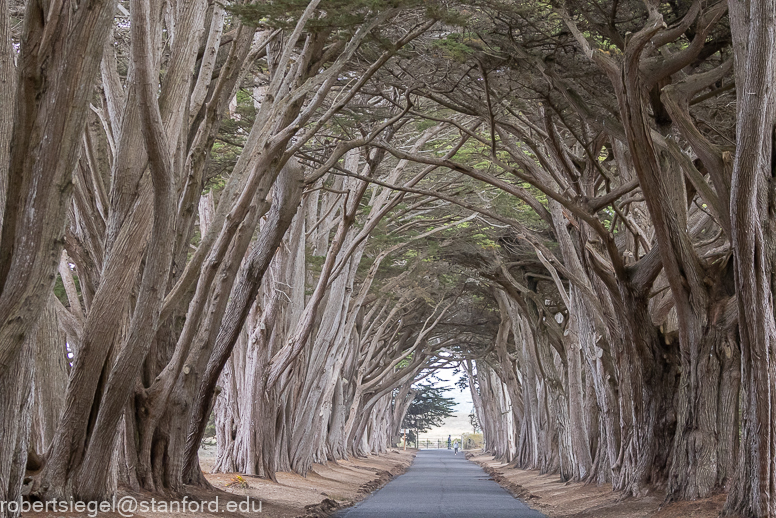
[{"x": 458, "y": 424}]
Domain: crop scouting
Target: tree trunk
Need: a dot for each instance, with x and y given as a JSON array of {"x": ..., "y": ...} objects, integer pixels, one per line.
[
  {"x": 15, "y": 409},
  {"x": 753, "y": 24},
  {"x": 580, "y": 438},
  {"x": 51, "y": 106},
  {"x": 50, "y": 372}
]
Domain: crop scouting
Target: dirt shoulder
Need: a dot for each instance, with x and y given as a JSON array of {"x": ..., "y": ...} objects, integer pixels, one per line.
[
  {"x": 556, "y": 499},
  {"x": 326, "y": 489}
]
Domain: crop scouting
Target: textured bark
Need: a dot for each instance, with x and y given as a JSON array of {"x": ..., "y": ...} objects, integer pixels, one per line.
[
  {"x": 15, "y": 408},
  {"x": 50, "y": 373},
  {"x": 7, "y": 89},
  {"x": 92, "y": 479},
  {"x": 613, "y": 337},
  {"x": 287, "y": 195},
  {"x": 50, "y": 107},
  {"x": 104, "y": 326},
  {"x": 506, "y": 369},
  {"x": 697, "y": 471},
  {"x": 50, "y": 113},
  {"x": 578, "y": 427},
  {"x": 72, "y": 294},
  {"x": 753, "y": 25}
]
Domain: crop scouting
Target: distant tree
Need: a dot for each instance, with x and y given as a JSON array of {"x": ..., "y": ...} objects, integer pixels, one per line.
[
  {"x": 475, "y": 421},
  {"x": 428, "y": 410}
]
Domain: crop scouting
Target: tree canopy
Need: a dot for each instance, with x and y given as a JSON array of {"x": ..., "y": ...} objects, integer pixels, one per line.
[
  {"x": 428, "y": 409},
  {"x": 288, "y": 213}
]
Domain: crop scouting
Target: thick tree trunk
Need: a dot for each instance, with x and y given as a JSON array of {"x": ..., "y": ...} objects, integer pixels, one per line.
[
  {"x": 7, "y": 89},
  {"x": 91, "y": 481},
  {"x": 15, "y": 409},
  {"x": 648, "y": 377},
  {"x": 50, "y": 372},
  {"x": 506, "y": 369},
  {"x": 51, "y": 106},
  {"x": 50, "y": 110},
  {"x": 706, "y": 407},
  {"x": 753, "y": 26},
  {"x": 578, "y": 429},
  {"x": 288, "y": 195}
]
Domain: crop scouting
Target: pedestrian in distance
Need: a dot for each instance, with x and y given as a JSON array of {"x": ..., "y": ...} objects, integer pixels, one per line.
[
  {"x": 455, "y": 446},
  {"x": 448, "y": 441}
]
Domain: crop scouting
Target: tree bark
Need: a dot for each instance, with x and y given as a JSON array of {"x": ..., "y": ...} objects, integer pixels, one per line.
[
  {"x": 753, "y": 26},
  {"x": 50, "y": 113}
]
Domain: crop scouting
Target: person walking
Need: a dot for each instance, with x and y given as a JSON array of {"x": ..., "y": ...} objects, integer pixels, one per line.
[
  {"x": 455, "y": 447},
  {"x": 448, "y": 441}
]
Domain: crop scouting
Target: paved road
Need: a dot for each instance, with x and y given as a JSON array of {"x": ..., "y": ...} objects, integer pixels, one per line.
[{"x": 440, "y": 484}]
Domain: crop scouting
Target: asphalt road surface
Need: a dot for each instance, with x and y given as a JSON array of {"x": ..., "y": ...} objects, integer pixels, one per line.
[{"x": 440, "y": 484}]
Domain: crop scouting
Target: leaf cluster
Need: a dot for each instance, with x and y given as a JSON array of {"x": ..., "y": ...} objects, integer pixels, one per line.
[
  {"x": 429, "y": 408},
  {"x": 333, "y": 15}
]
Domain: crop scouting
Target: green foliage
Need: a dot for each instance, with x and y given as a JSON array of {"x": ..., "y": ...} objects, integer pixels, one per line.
[
  {"x": 314, "y": 263},
  {"x": 229, "y": 143},
  {"x": 406, "y": 361},
  {"x": 210, "y": 428},
  {"x": 471, "y": 441},
  {"x": 424, "y": 124},
  {"x": 514, "y": 208},
  {"x": 429, "y": 408},
  {"x": 59, "y": 291},
  {"x": 335, "y": 14},
  {"x": 456, "y": 46}
]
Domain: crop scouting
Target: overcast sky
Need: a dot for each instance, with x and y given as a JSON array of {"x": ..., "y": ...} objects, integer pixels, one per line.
[{"x": 458, "y": 424}]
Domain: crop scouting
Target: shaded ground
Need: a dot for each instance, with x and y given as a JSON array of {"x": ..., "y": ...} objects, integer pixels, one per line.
[
  {"x": 559, "y": 499},
  {"x": 441, "y": 484},
  {"x": 325, "y": 489}
]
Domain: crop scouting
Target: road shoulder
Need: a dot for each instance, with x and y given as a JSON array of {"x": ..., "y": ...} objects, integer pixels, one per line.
[
  {"x": 557, "y": 499},
  {"x": 325, "y": 490}
]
